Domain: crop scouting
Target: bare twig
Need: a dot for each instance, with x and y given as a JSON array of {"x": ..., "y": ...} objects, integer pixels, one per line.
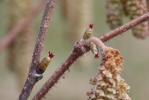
[
  {"x": 125, "y": 27},
  {"x": 20, "y": 26},
  {"x": 33, "y": 76},
  {"x": 78, "y": 50}
]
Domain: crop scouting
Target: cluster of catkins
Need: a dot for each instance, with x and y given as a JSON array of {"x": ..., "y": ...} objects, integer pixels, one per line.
[
  {"x": 115, "y": 9},
  {"x": 108, "y": 84}
]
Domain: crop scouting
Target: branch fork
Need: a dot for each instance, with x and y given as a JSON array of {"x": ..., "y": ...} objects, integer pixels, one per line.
[
  {"x": 79, "y": 49},
  {"x": 33, "y": 76}
]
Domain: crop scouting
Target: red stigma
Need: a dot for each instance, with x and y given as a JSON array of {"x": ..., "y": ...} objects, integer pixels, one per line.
[
  {"x": 91, "y": 26},
  {"x": 51, "y": 55},
  {"x": 96, "y": 55}
]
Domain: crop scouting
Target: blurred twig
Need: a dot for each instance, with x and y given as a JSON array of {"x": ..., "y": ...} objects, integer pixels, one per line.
[
  {"x": 33, "y": 76},
  {"x": 79, "y": 49},
  {"x": 20, "y": 26}
]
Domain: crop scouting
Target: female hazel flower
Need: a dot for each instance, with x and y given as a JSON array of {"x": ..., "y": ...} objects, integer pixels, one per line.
[
  {"x": 88, "y": 32},
  {"x": 94, "y": 49},
  {"x": 44, "y": 63}
]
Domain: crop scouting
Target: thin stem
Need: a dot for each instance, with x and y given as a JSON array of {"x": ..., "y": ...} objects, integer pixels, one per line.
[
  {"x": 124, "y": 28},
  {"x": 78, "y": 52},
  {"x": 97, "y": 41},
  {"x": 33, "y": 77},
  {"x": 75, "y": 53}
]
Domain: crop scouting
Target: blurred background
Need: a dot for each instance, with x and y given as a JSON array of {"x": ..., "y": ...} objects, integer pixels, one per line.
[{"x": 67, "y": 25}]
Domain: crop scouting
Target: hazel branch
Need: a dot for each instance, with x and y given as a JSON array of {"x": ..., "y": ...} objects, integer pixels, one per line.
[
  {"x": 79, "y": 49},
  {"x": 33, "y": 76},
  {"x": 124, "y": 27}
]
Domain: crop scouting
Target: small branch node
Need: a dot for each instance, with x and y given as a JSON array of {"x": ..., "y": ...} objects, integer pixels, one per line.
[{"x": 38, "y": 76}]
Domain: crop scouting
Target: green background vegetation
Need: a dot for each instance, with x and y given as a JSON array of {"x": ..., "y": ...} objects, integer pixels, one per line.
[{"x": 76, "y": 82}]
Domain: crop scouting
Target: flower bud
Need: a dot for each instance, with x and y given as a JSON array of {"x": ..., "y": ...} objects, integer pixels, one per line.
[
  {"x": 44, "y": 63},
  {"x": 88, "y": 32},
  {"x": 94, "y": 49}
]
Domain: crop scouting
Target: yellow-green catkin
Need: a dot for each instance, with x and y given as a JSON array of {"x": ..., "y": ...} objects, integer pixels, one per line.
[
  {"x": 114, "y": 12},
  {"x": 19, "y": 51},
  {"x": 78, "y": 15},
  {"x": 137, "y": 8},
  {"x": 108, "y": 84}
]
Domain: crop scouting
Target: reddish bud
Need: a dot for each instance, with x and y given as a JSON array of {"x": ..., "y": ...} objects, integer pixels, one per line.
[
  {"x": 51, "y": 55},
  {"x": 96, "y": 55},
  {"x": 91, "y": 26}
]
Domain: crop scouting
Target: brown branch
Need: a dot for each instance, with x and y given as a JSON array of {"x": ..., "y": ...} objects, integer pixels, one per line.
[
  {"x": 79, "y": 49},
  {"x": 20, "y": 26},
  {"x": 76, "y": 53},
  {"x": 125, "y": 27},
  {"x": 33, "y": 76}
]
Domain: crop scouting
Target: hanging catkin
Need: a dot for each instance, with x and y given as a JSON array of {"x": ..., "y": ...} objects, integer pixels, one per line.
[
  {"x": 147, "y": 1},
  {"x": 114, "y": 11},
  {"x": 78, "y": 15},
  {"x": 20, "y": 48},
  {"x": 108, "y": 83},
  {"x": 124, "y": 2},
  {"x": 136, "y": 8}
]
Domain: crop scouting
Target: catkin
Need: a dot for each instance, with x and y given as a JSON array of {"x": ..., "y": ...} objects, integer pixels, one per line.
[
  {"x": 137, "y": 8},
  {"x": 108, "y": 84},
  {"x": 114, "y": 11},
  {"x": 20, "y": 49},
  {"x": 78, "y": 15}
]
